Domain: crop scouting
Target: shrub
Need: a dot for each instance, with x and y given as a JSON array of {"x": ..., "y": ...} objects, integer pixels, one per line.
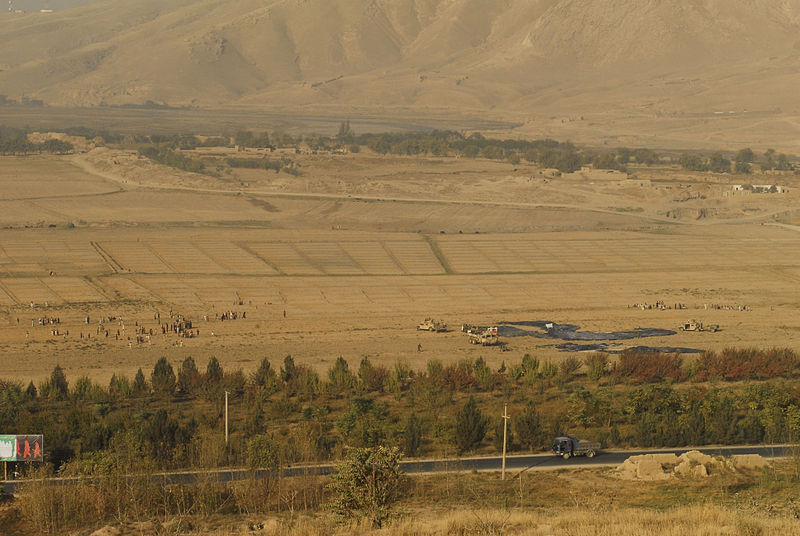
[
  {"x": 366, "y": 484},
  {"x": 596, "y": 365},
  {"x": 746, "y": 363},
  {"x": 649, "y": 367}
]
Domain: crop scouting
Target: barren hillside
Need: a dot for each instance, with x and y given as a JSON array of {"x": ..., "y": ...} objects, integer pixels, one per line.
[{"x": 544, "y": 62}]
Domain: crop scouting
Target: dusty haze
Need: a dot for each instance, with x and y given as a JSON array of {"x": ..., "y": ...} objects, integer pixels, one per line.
[{"x": 706, "y": 73}]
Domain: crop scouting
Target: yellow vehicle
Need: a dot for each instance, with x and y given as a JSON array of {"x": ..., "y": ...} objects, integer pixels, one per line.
[{"x": 429, "y": 324}]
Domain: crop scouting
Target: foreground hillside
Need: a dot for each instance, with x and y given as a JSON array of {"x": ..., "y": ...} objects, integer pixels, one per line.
[{"x": 551, "y": 65}]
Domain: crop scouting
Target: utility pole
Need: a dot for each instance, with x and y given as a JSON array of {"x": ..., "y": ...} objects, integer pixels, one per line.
[
  {"x": 505, "y": 433},
  {"x": 226, "y": 417}
]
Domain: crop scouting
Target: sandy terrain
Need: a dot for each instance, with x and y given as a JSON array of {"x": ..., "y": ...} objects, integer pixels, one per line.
[{"x": 353, "y": 253}]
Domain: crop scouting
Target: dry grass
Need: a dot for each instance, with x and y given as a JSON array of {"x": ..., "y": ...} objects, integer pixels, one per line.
[
  {"x": 171, "y": 240},
  {"x": 685, "y": 521}
]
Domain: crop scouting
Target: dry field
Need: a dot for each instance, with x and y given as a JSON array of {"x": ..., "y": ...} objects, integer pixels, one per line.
[{"x": 347, "y": 258}]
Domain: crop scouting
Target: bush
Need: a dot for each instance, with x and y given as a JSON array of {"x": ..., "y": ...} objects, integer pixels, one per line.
[
  {"x": 746, "y": 363},
  {"x": 366, "y": 484},
  {"x": 171, "y": 158},
  {"x": 648, "y": 367},
  {"x": 263, "y": 453},
  {"x": 596, "y": 365}
]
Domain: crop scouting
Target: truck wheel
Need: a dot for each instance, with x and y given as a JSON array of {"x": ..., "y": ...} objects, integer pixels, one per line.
[
  {"x": 566, "y": 455},
  {"x": 590, "y": 454}
]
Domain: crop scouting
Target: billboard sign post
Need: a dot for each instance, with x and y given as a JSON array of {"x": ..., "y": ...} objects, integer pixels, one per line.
[{"x": 21, "y": 448}]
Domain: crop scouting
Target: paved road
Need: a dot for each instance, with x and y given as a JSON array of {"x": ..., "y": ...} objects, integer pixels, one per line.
[{"x": 514, "y": 465}]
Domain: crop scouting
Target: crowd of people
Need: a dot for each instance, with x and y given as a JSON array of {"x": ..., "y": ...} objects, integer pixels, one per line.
[{"x": 663, "y": 306}]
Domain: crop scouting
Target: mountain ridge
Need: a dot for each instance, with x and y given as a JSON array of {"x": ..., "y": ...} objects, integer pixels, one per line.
[{"x": 658, "y": 57}]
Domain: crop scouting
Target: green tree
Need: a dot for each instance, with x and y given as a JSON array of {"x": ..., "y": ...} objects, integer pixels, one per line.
[
  {"x": 346, "y": 133},
  {"x": 341, "y": 379},
  {"x": 162, "y": 436},
  {"x": 693, "y": 162},
  {"x": 263, "y": 453},
  {"x": 119, "y": 386},
  {"x": 719, "y": 164},
  {"x": 59, "y": 387},
  {"x": 596, "y": 365},
  {"x": 265, "y": 376},
  {"x": 288, "y": 370},
  {"x": 188, "y": 376},
  {"x": 530, "y": 368},
  {"x": 213, "y": 373},
  {"x": 568, "y": 368},
  {"x": 372, "y": 378},
  {"x": 367, "y": 484},
  {"x": 484, "y": 375},
  {"x": 528, "y": 427},
  {"x": 163, "y": 377},
  {"x": 412, "y": 436},
  {"x": 745, "y": 155},
  {"x": 362, "y": 424},
  {"x": 741, "y": 167},
  {"x": 140, "y": 386},
  {"x": 470, "y": 427}
]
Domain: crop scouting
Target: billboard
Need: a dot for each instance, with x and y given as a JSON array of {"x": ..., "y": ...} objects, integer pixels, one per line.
[{"x": 21, "y": 448}]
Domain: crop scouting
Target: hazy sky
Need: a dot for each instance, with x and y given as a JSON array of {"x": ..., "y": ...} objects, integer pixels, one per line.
[{"x": 36, "y": 5}]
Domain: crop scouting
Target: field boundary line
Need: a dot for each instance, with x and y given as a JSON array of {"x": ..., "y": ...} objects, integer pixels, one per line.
[
  {"x": 97, "y": 287},
  {"x": 303, "y": 255},
  {"x": 247, "y": 249},
  {"x": 52, "y": 290},
  {"x": 394, "y": 258},
  {"x": 108, "y": 258},
  {"x": 160, "y": 258},
  {"x": 212, "y": 258},
  {"x": 437, "y": 252},
  {"x": 8, "y": 293},
  {"x": 352, "y": 259}
]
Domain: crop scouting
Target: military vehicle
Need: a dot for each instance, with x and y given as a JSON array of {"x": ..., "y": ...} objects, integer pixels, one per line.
[
  {"x": 429, "y": 324},
  {"x": 695, "y": 325},
  {"x": 487, "y": 337}
]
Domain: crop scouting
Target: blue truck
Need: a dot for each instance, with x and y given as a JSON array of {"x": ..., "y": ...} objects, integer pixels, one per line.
[{"x": 568, "y": 446}]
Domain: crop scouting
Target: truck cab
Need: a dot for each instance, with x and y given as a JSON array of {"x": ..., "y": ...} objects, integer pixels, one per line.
[{"x": 568, "y": 446}]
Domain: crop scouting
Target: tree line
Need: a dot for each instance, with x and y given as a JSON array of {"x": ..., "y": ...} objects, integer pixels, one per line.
[
  {"x": 292, "y": 413},
  {"x": 15, "y": 142},
  {"x": 742, "y": 162}
]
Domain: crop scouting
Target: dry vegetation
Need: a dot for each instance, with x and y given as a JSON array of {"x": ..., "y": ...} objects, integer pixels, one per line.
[
  {"x": 552, "y": 503},
  {"x": 343, "y": 256},
  {"x": 352, "y": 250}
]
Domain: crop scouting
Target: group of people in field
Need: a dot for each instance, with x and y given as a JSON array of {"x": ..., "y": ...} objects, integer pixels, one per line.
[
  {"x": 663, "y": 306},
  {"x": 114, "y": 326}
]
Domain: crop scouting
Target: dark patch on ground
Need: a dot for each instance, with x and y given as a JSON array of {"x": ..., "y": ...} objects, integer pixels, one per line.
[
  {"x": 569, "y": 332},
  {"x": 260, "y": 203},
  {"x": 606, "y": 348}
]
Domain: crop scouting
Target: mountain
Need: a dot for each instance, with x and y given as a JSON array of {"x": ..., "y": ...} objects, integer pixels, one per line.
[{"x": 541, "y": 61}]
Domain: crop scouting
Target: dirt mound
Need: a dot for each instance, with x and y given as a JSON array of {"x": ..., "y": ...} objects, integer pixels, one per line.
[
  {"x": 748, "y": 462},
  {"x": 692, "y": 464}
]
